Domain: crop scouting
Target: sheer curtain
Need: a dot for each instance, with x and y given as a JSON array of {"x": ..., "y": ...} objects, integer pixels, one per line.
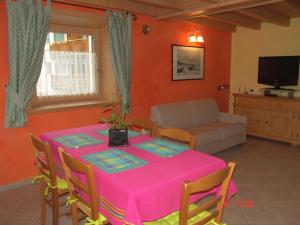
[
  {"x": 67, "y": 73},
  {"x": 27, "y": 32}
]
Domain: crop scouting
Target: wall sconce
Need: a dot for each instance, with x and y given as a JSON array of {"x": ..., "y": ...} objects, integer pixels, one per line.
[{"x": 195, "y": 37}]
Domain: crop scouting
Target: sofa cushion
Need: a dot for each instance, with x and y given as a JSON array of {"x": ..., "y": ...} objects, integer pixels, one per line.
[
  {"x": 205, "y": 136},
  {"x": 226, "y": 129},
  {"x": 205, "y": 111},
  {"x": 179, "y": 115}
]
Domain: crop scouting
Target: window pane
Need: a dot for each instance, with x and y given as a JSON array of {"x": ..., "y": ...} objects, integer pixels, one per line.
[
  {"x": 69, "y": 66},
  {"x": 59, "y": 37}
]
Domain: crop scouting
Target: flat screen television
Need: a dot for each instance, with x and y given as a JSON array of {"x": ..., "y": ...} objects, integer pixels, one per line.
[{"x": 278, "y": 70}]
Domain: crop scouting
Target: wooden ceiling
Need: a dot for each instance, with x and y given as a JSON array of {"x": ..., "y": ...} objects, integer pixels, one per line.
[{"x": 222, "y": 14}]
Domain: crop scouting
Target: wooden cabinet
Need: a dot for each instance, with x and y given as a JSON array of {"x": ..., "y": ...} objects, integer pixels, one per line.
[
  {"x": 275, "y": 118},
  {"x": 254, "y": 119},
  {"x": 295, "y": 131},
  {"x": 278, "y": 124}
]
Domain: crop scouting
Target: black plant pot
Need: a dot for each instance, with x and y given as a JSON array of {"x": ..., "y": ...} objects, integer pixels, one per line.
[{"x": 118, "y": 137}]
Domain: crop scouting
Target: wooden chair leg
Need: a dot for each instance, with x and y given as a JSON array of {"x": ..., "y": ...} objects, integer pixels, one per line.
[
  {"x": 75, "y": 218},
  {"x": 55, "y": 207},
  {"x": 43, "y": 202}
]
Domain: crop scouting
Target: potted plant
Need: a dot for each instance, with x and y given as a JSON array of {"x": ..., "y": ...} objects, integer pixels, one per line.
[{"x": 118, "y": 132}]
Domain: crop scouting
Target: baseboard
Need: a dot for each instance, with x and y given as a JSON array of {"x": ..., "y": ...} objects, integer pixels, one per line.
[{"x": 18, "y": 184}]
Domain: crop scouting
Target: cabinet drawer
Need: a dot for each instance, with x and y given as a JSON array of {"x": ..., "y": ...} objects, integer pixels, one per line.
[
  {"x": 277, "y": 105},
  {"x": 249, "y": 102}
]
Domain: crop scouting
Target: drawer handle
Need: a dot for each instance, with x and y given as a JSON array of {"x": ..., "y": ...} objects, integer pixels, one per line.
[{"x": 267, "y": 122}]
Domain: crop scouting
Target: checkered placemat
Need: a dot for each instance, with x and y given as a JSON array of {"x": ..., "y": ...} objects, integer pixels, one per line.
[
  {"x": 113, "y": 160},
  {"x": 106, "y": 131},
  {"x": 77, "y": 140},
  {"x": 162, "y": 148}
]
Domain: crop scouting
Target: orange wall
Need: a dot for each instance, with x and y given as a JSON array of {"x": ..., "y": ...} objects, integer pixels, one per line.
[
  {"x": 151, "y": 84},
  {"x": 151, "y": 65}
]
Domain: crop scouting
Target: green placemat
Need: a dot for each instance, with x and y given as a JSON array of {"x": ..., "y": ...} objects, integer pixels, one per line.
[
  {"x": 162, "y": 148},
  {"x": 77, "y": 140},
  {"x": 130, "y": 133},
  {"x": 113, "y": 160}
]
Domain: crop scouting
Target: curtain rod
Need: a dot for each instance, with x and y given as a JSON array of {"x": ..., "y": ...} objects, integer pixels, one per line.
[{"x": 134, "y": 16}]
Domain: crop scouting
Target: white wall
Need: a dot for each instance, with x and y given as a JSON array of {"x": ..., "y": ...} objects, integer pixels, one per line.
[{"x": 248, "y": 45}]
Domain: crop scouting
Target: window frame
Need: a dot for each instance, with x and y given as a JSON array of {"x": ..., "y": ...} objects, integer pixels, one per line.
[
  {"x": 94, "y": 32},
  {"x": 90, "y": 23}
]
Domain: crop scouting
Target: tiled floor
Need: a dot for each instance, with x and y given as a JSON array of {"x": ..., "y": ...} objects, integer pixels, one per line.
[{"x": 267, "y": 177}]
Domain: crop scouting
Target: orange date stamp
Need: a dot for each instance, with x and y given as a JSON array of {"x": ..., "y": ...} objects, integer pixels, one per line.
[{"x": 240, "y": 203}]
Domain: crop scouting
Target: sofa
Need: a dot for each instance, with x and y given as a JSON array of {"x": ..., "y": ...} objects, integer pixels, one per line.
[{"x": 215, "y": 130}]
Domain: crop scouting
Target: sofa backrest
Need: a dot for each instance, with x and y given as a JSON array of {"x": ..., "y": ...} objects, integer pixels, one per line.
[
  {"x": 205, "y": 111},
  {"x": 177, "y": 115},
  {"x": 185, "y": 114}
]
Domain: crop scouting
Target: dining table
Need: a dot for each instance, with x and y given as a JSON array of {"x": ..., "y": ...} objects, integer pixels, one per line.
[{"x": 139, "y": 182}]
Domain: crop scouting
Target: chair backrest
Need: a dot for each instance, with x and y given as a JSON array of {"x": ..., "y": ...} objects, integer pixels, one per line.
[
  {"x": 178, "y": 135},
  {"x": 145, "y": 124},
  {"x": 83, "y": 190},
  {"x": 222, "y": 178},
  {"x": 43, "y": 159}
]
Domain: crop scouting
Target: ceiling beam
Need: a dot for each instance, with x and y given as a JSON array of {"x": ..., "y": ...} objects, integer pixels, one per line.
[
  {"x": 210, "y": 1},
  {"x": 222, "y": 7},
  {"x": 237, "y": 20},
  {"x": 192, "y": 4},
  {"x": 286, "y": 9},
  {"x": 123, "y": 5},
  {"x": 266, "y": 15},
  {"x": 167, "y": 4},
  {"x": 214, "y": 23},
  {"x": 295, "y": 3}
]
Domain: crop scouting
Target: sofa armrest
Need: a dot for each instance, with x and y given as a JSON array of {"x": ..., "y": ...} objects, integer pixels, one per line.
[{"x": 232, "y": 118}]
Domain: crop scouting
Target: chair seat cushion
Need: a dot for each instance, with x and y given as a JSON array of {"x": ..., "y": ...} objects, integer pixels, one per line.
[
  {"x": 173, "y": 218},
  {"x": 101, "y": 219},
  {"x": 61, "y": 183}
]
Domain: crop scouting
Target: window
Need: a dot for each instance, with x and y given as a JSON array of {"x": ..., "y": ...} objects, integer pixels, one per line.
[
  {"x": 72, "y": 72},
  {"x": 69, "y": 66}
]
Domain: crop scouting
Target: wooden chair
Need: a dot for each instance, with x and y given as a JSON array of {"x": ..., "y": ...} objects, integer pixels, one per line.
[
  {"x": 178, "y": 135},
  {"x": 49, "y": 182},
  {"x": 199, "y": 214},
  {"x": 144, "y": 124},
  {"x": 82, "y": 194}
]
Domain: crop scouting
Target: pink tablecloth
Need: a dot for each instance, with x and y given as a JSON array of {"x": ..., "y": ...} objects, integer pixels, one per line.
[{"x": 145, "y": 193}]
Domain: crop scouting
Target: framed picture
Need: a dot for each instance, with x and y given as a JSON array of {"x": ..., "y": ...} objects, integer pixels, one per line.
[{"x": 188, "y": 63}]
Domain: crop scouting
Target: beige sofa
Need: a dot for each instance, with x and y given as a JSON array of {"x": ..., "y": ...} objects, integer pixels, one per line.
[{"x": 215, "y": 130}]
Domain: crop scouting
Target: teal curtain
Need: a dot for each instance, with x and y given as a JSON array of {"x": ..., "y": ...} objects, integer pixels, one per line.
[
  {"x": 119, "y": 31},
  {"x": 27, "y": 24}
]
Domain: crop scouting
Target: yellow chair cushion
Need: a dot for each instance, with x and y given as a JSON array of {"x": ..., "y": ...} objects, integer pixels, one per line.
[
  {"x": 99, "y": 221},
  {"x": 89, "y": 221},
  {"x": 61, "y": 183},
  {"x": 173, "y": 218}
]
